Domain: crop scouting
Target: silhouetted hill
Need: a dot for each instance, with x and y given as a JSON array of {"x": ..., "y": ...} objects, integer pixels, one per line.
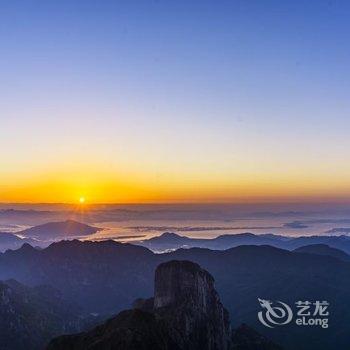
[
  {"x": 339, "y": 242},
  {"x": 171, "y": 241},
  {"x": 106, "y": 277},
  {"x": 186, "y": 315},
  {"x": 59, "y": 230},
  {"x": 43, "y": 235},
  {"x": 323, "y": 249},
  {"x": 84, "y": 271},
  {"x": 11, "y": 241}
]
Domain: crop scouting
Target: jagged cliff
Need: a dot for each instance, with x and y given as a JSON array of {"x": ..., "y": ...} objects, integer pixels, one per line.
[
  {"x": 186, "y": 299},
  {"x": 185, "y": 314}
]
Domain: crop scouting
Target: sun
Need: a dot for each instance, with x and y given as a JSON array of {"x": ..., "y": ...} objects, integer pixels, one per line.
[{"x": 82, "y": 200}]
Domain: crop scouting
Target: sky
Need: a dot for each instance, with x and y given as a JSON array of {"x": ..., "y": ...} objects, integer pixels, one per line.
[{"x": 174, "y": 101}]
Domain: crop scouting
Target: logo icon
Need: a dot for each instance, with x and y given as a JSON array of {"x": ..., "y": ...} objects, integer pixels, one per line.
[{"x": 274, "y": 313}]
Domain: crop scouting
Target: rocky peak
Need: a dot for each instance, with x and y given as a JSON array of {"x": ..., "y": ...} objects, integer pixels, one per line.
[
  {"x": 185, "y": 314},
  {"x": 186, "y": 298},
  {"x": 178, "y": 282}
]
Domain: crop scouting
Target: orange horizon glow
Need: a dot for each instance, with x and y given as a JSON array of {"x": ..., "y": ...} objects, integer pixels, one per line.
[
  {"x": 162, "y": 115},
  {"x": 176, "y": 190},
  {"x": 173, "y": 182}
]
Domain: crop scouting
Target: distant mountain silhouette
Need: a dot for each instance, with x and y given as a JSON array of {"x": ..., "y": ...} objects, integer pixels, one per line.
[
  {"x": 43, "y": 235},
  {"x": 185, "y": 314},
  {"x": 106, "y": 277},
  {"x": 295, "y": 225},
  {"x": 342, "y": 230},
  {"x": 339, "y": 242},
  {"x": 171, "y": 241},
  {"x": 323, "y": 249},
  {"x": 59, "y": 230},
  {"x": 11, "y": 241}
]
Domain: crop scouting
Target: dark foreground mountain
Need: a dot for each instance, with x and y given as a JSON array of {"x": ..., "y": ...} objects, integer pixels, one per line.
[
  {"x": 324, "y": 249},
  {"x": 30, "y": 317},
  {"x": 171, "y": 241},
  {"x": 106, "y": 277},
  {"x": 101, "y": 277},
  {"x": 185, "y": 314}
]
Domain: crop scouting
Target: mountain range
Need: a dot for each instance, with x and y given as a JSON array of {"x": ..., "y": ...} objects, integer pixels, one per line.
[
  {"x": 43, "y": 235},
  {"x": 185, "y": 314},
  {"x": 171, "y": 241},
  {"x": 323, "y": 249},
  {"x": 106, "y": 277}
]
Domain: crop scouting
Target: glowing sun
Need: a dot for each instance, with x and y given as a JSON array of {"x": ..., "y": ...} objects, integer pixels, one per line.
[{"x": 82, "y": 200}]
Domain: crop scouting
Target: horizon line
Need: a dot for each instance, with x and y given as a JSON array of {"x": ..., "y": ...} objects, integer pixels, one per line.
[{"x": 238, "y": 202}]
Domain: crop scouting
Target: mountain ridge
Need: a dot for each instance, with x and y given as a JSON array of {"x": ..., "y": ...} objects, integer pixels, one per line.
[
  {"x": 323, "y": 249},
  {"x": 166, "y": 242},
  {"x": 185, "y": 314},
  {"x": 83, "y": 271}
]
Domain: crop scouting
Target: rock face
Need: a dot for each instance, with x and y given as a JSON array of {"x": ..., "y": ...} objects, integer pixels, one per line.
[
  {"x": 185, "y": 314},
  {"x": 30, "y": 317},
  {"x": 186, "y": 298}
]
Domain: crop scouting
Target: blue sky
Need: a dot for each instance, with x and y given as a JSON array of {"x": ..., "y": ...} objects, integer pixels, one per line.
[{"x": 204, "y": 93}]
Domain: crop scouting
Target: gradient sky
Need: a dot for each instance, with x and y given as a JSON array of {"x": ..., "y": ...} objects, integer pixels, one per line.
[{"x": 136, "y": 101}]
